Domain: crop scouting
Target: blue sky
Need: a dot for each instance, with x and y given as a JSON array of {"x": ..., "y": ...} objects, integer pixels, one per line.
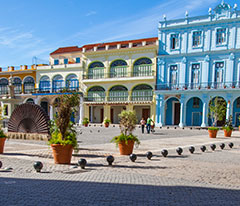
[{"x": 31, "y": 28}]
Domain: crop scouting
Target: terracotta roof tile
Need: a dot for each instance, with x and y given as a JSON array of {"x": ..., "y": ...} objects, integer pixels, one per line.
[{"x": 66, "y": 50}]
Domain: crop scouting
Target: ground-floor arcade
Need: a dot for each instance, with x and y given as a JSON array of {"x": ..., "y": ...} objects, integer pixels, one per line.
[
  {"x": 96, "y": 113},
  {"x": 192, "y": 109}
]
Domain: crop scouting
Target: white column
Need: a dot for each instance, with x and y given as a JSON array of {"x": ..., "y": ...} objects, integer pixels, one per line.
[
  {"x": 205, "y": 71},
  {"x": 51, "y": 112},
  {"x": 81, "y": 111},
  {"x": 182, "y": 76},
  {"x": 228, "y": 110},
  {"x": 181, "y": 124},
  {"x": 204, "y": 115},
  {"x": 229, "y": 70},
  {"x": 238, "y": 72},
  {"x": 160, "y": 111}
]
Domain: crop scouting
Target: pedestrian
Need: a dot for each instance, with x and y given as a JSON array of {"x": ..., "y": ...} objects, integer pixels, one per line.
[
  {"x": 142, "y": 122},
  {"x": 149, "y": 120}
]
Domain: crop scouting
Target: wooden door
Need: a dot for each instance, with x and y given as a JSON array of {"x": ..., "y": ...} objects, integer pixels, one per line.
[
  {"x": 176, "y": 113},
  {"x": 112, "y": 115},
  {"x": 145, "y": 113},
  {"x": 101, "y": 116}
]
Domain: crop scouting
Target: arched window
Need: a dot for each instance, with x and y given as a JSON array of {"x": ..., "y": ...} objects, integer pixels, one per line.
[
  {"x": 96, "y": 70},
  {"x": 96, "y": 94},
  {"x": 29, "y": 85},
  {"x": 30, "y": 100},
  {"x": 3, "y": 86},
  {"x": 58, "y": 83},
  {"x": 17, "y": 83},
  {"x": 72, "y": 82},
  {"x": 142, "y": 92},
  {"x": 118, "y": 68},
  {"x": 44, "y": 84},
  {"x": 142, "y": 67},
  {"x": 118, "y": 93}
]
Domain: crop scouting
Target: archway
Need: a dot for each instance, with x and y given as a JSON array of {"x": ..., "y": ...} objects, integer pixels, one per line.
[
  {"x": 72, "y": 82},
  {"x": 58, "y": 83},
  {"x": 44, "y": 84},
  {"x": 194, "y": 112},
  {"x": 29, "y": 85},
  {"x": 142, "y": 67},
  {"x": 17, "y": 83},
  {"x": 96, "y": 70},
  {"x": 118, "y": 68},
  {"x": 236, "y": 112},
  {"x": 3, "y": 86},
  {"x": 172, "y": 111},
  {"x": 223, "y": 102}
]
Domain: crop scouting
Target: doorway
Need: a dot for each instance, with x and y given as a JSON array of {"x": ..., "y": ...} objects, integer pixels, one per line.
[{"x": 176, "y": 113}]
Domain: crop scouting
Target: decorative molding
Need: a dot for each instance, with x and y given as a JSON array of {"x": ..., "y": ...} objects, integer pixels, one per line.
[
  {"x": 231, "y": 56},
  {"x": 207, "y": 58},
  {"x": 184, "y": 60}
]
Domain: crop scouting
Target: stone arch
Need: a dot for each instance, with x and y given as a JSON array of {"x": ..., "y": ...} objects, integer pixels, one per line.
[
  {"x": 194, "y": 110},
  {"x": 172, "y": 111}
]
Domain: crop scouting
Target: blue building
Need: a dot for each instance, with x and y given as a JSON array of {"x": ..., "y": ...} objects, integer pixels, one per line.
[{"x": 198, "y": 60}]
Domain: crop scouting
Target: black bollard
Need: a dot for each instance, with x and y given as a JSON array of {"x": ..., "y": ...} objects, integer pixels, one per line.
[
  {"x": 179, "y": 150},
  {"x": 133, "y": 157},
  {"x": 231, "y": 145},
  {"x": 38, "y": 166},
  {"x": 213, "y": 147},
  {"x": 82, "y": 163},
  {"x": 191, "y": 149},
  {"x": 110, "y": 159},
  {"x": 222, "y": 145},
  {"x": 203, "y": 148},
  {"x": 0, "y": 164},
  {"x": 164, "y": 153},
  {"x": 149, "y": 155}
]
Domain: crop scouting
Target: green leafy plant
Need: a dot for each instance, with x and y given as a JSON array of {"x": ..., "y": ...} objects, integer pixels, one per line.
[
  {"x": 128, "y": 120},
  {"x": 228, "y": 124},
  {"x": 85, "y": 121},
  {"x": 2, "y": 134},
  {"x": 213, "y": 128},
  {"x": 217, "y": 109},
  {"x": 106, "y": 121},
  {"x": 62, "y": 129}
]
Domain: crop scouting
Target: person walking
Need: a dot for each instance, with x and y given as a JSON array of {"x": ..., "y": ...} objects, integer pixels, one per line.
[
  {"x": 142, "y": 122},
  {"x": 149, "y": 120}
]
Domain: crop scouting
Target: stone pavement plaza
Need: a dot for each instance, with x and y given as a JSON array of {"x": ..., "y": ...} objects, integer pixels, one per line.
[{"x": 210, "y": 178}]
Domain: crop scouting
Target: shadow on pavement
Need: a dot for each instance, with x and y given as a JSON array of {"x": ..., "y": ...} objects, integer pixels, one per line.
[{"x": 58, "y": 192}]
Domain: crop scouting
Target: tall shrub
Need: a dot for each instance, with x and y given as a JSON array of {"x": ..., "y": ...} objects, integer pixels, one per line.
[{"x": 217, "y": 109}]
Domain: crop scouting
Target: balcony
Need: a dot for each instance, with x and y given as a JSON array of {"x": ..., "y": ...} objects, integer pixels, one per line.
[
  {"x": 142, "y": 70},
  {"x": 119, "y": 74},
  {"x": 198, "y": 86}
]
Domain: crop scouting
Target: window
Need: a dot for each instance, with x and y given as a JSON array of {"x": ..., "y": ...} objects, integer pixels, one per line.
[
  {"x": 196, "y": 102},
  {"x": 219, "y": 67},
  {"x": 195, "y": 75},
  {"x": 65, "y": 61},
  {"x": 197, "y": 38},
  {"x": 6, "y": 110},
  {"x": 221, "y": 36},
  {"x": 78, "y": 60},
  {"x": 173, "y": 75},
  {"x": 56, "y": 61},
  {"x": 174, "y": 41},
  {"x": 238, "y": 103}
]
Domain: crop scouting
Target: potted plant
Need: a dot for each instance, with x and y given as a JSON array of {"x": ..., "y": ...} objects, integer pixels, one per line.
[
  {"x": 85, "y": 121},
  {"x": 126, "y": 140},
  {"x": 217, "y": 113},
  {"x": 106, "y": 122},
  {"x": 63, "y": 135},
  {"x": 2, "y": 135},
  {"x": 228, "y": 128}
]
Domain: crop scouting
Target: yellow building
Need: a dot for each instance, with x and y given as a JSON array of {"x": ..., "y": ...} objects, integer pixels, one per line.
[
  {"x": 118, "y": 76},
  {"x": 16, "y": 87}
]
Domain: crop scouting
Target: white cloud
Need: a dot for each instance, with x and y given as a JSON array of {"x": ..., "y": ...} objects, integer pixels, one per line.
[{"x": 91, "y": 13}]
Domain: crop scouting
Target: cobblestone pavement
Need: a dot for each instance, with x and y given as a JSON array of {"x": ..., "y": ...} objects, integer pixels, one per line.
[{"x": 209, "y": 178}]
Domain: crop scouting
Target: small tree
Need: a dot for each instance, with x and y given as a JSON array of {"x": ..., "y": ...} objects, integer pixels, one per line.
[
  {"x": 128, "y": 120},
  {"x": 61, "y": 129},
  {"x": 217, "y": 109}
]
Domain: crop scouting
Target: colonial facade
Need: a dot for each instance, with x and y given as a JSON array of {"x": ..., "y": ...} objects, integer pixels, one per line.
[
  {"x": 64, "y": 73},
  {"x": 16, "y": 87},
  {"x": 118, "y": 76},
  {"x": 199, "y": 59}
]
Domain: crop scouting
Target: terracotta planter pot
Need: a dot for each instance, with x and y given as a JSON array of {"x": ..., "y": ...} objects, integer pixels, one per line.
[
  {"x": 85, "y": 125},
  {"x": 2, "y": 142},
  {"x": 227, "y": 133},
  {"x": 106, "y": 124},
  {"x": 212, "y": 133},
  {"x": 62, "y": 154},
  {"x": 126, "y": 149},
  {"x": 239, "y": 128}
]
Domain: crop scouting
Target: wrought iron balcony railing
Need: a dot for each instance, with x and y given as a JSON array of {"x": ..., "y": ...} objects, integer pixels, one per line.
[{"x": 198, "y": 86}]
